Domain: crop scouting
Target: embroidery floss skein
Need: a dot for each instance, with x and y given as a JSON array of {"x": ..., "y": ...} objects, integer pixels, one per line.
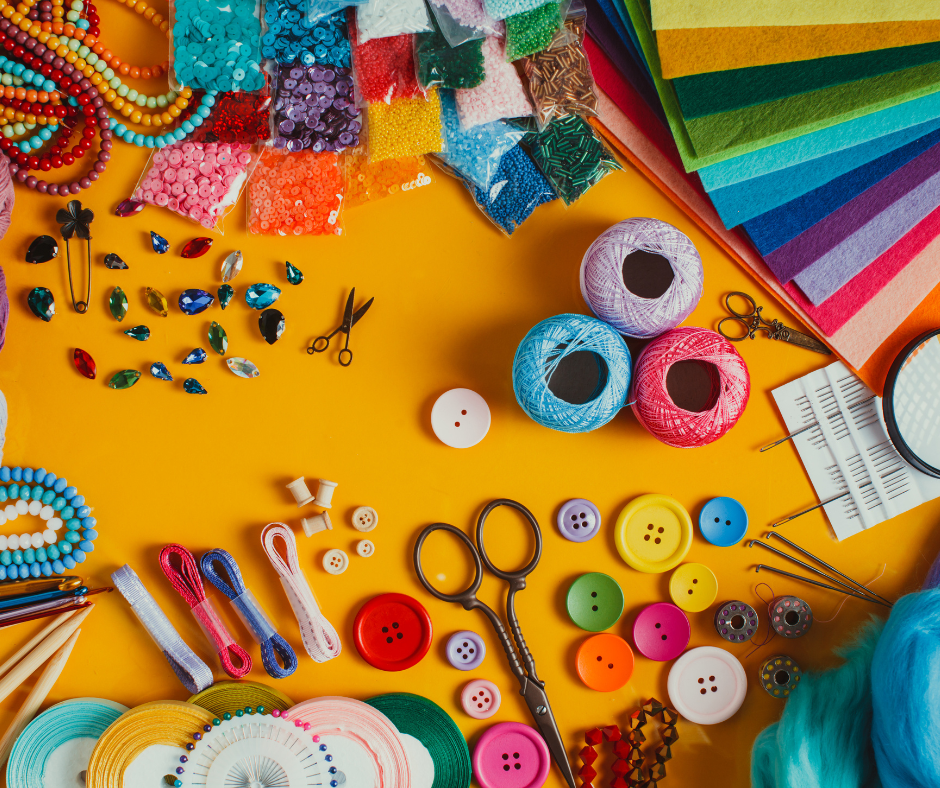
[
  {"x": 551, "y": 344},
  {"x": 655, "y": 409},
  {"x": 607, "y": 295}
]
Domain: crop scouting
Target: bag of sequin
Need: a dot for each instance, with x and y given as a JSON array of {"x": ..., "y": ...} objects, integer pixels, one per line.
[
  {"x": 464, "y": 20},
  {"x": 532, "y": 31},
  {"x": 296, "y": 193},
  {"x": 475, "y": 153},
  {"x": 367, "y": 181},
  {"x": 314, "y": 109},
  {"x": 236, "y": 117},
  {"x": 293, "y": 38},
  {"x": 383, "y": 68},
  {"x": 438, "y": 64},
  {"x": 572, "y": 156},
  {"x": 386, "y": 18},
  {"x": 560, "y": 79},
  {"x": 216, "y": 45},
  {"x": 199, "y": 180}
]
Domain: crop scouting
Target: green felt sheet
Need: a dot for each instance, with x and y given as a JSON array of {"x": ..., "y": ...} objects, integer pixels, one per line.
[{"x": 724, "y": 91}]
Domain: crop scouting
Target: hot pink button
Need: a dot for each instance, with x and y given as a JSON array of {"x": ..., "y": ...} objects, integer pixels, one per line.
[
  {"x": 480, "y": 699},
  {"x": 661, "y": 632},
  {"x": 511, "y": 755}
]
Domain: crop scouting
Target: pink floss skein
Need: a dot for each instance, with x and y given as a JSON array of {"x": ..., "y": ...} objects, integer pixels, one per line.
[{"x": 654, "y": 408}]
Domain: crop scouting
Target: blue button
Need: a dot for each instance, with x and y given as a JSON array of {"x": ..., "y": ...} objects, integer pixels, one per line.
[
  {"x": 723, "y": 522},
  {"x": 465, "y": 650}
]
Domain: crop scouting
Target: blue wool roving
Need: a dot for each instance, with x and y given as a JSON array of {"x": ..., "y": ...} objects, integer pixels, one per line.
[{"x": 549, "y": 344}]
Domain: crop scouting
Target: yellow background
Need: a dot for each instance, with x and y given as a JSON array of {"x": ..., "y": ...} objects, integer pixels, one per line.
[{"x": 453, "y": 298}]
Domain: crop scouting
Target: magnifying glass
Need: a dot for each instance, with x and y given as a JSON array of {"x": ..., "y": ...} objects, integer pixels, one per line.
[{"x": 911, "y": 403}]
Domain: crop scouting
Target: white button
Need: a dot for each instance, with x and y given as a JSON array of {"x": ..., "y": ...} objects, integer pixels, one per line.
[
  {"x": 707, "y": 685},
  {"x": 365, "y": 548},
  {"x": 365, "y": 518},
  {"x": 460, "y": 418},
  {"x": 335, "y": 562}
]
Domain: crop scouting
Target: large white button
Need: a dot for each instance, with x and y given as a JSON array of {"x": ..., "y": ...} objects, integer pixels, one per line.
[
  {"x": 460, "y": 418},
  {"x": 707, "y": 685},
  {"x": 335, "y": 562},
  {"x": 365, "y": 518}
]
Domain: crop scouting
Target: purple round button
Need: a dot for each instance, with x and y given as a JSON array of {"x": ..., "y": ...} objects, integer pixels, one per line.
[
  {"x": 579, "y": 520},
  {"x": 661, "y": 632},
  {"x": 465, "y": 650}
]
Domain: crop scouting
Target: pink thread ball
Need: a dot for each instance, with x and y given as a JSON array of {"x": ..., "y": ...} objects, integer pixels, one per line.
[{"x": 654, "y": 408}]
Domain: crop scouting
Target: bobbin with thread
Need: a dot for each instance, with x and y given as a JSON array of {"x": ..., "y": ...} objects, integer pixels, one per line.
[
  {"x": 325, "y": 494},
  {"x": 780, "y": 675},
  {"x": 605, "y": 289},
  {"x": 790, "y": 616},
  {"x": 300, "y": 491},
  {"x": 319, "y": 522},
  {"x": 736, "y": 621}
]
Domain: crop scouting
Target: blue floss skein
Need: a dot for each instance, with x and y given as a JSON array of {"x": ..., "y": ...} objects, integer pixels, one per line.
[
  {"x": 538, "y": 357},
  {"x": 257, "y": 621}
]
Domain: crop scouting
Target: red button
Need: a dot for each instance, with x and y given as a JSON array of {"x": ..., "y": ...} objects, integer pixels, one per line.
[{"x": 392, "y": 632}]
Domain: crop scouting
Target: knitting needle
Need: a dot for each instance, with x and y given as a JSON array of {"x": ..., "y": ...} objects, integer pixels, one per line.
[
  {"x": 800, "y": 431},
  {"x": 817, "y": 583},
  {"x": 36, "y": 640},
  {"x": 79, "y": 605},
  {"x": 822, "y": 563},
  {"x": 812, "y": 569},
  {"x": 59, "y": 602},
  {"x": 40, "y": 654},
  {"x": 37, "y": 696}
]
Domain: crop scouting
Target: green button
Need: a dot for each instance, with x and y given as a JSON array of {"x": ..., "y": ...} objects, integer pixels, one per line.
[{"x": 595, "y": 602}]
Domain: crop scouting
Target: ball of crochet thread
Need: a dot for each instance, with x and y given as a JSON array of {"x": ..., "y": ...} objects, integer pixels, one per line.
[
  {"x": 542, "y": 351},
  {"x": 665, "y": 420},
  {"x": 609, "y": 298}
]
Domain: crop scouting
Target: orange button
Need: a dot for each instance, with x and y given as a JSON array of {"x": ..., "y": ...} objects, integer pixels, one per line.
[{"x": 605, "y": 662}]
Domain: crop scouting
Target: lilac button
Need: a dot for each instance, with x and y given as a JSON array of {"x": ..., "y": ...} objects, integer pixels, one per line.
[
  {"x": 465, "y": 650},
  {"x": 579, "y": 520},
  {"x": 661, "y": 632}
]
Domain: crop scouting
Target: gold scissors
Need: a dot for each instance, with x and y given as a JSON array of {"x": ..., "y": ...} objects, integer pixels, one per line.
[{"x": 753, "y": 321}]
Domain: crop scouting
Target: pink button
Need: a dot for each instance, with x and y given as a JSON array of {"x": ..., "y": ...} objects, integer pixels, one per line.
[
  {"x": 480, "y": 699},
  {"x": 707, "y": 685},
  {"x": 661, "y": 632},
  {"x": 511, "y": 755}
]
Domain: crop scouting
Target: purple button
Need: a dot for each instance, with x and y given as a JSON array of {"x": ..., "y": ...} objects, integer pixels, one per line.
[
  {"x": 661, "y": 632},
  {"x": 579, "y": 520},
  {"x": 465, "y": 650}
]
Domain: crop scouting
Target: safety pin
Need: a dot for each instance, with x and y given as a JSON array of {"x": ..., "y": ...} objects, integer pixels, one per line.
[
  {"x": 816, "y": 583},
  {"x": 76, "y": 220},
  {"x": 800, "y": 431}
]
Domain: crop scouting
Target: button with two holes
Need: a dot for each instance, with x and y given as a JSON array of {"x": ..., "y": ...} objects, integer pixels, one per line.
[
  {"x": 595, "y": 602},
  {"x": 579, "y": 520},
  {"x": 723, "y": 522},
  {"x": 693, "y": 587},
  {"x": 661, "y": 632},
  {"x": 511, "y": 755},
  {"x": 465, "y": 650},
  {"x": 392, "y": 632},
  {"x": 605, "y": 662},
  {"x": 460, "y": 418}
]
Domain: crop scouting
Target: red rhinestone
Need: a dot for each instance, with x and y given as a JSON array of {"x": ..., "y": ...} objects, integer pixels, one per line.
[
  {"x": 196, "y": 247},
  {"x": 128, "y": 208},
  {"x": 85, "y": 364}
]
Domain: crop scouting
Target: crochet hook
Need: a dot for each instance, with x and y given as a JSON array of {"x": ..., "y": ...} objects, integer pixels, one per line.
[{"x": 39, "y": 585}]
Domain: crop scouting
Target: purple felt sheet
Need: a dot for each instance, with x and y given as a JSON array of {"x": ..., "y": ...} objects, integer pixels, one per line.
[
  {"x": 801, "y": 252},
  {"x": 835, "y": 268}
]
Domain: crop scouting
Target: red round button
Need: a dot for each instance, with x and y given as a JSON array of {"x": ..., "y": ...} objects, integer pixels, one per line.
[{"x": 392, "y": 632}]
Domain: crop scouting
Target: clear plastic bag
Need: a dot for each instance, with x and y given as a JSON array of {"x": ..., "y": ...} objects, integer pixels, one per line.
[
  {"x": 516, "y": 190},
  {"x": 237, "y": 117},
  {"x": 292, "y": 37},
  {"x": 216, "y": 45},
  {"x": 475, "y": 154},
  {"x": 367, "y": 181},
  {"x": 560, "y": 78},
  {"x": 296, "y": 194},
  {"x": 405, "y": 127},
  {"x": 384, "y": 68},
  {"x": 501, "y": 94},
  {"x": 320, "y": 9},
  {"x": 438, "y": 64},
  {"x": 532, "y": 31},
  {"x": 315, "y": 109},
  {"x": 385, "y": 18},
  {"x": 571, "y": 155},
  {"x": 465, "y": 20},
  {"x": 201, "y": 181},
  {"x": 501, "y": 9}
]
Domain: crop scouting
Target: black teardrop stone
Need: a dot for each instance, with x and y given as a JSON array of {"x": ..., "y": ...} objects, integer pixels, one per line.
[
  {"x": 271, "y": 324},
  {"x": 114, "y": 262},
  {"x": 42, "y": 250}
]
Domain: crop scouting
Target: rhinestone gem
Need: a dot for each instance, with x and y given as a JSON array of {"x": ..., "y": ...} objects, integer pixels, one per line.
[
  {"x": 193, "y": 386},
  {"x": 261, "y": 296},
  {"x": 226, "y": 292},
  {"x": 294, "y": 275},
  {"x": 42, "y": 250},
  {"x": 159, "y": 371},
  {"x": 117, "y": 303},
  {"x": 196, "y": 356},
  {"x": 114, "y": 262},
  {"x": 160, "y": 244},
  {"x": 194, "y": 301},
  {"x": 196, "y": 248},
  {"x": 124, "y": 379},
  {"x": 84, "y": 363},
  {"x": 232, "y": 265},
  {"x": 157, "y": 301},
  {"x": 41, "y": 303},
  {"x": 128, "y": 208},
  {"x": 140, "y": 333},
  {"x": 271, "y": 323},
  {"x": 218, "y": 339},
  {"x": 242, "y": 367}
]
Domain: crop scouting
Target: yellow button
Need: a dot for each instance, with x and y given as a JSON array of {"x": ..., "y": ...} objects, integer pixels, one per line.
[
  {"x": 654, "y": 533},
  {"x": 693, "y": 587}
]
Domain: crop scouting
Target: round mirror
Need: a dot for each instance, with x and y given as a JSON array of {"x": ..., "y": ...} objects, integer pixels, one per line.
[{"x": 912, "y": 403}]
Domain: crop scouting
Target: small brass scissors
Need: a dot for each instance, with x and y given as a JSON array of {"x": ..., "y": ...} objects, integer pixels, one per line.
[{"x": 754, "y": 321}]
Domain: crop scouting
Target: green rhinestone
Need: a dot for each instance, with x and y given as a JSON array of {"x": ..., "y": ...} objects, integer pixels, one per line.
[{"x": 218, "y": 339}]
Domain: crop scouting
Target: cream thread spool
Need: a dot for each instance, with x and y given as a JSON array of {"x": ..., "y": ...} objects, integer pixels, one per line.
[
  {"x": 301, "y": 493},
  {"x": 325, "y": 494},
  {"x": 319, "y": 522}
]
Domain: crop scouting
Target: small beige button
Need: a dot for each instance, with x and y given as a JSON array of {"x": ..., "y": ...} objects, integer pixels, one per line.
[
  {"x": 325, "y": 494},
  {"x": 365, "y": 518},
  {"x": 299, "y": 490},
  {"x": 365, "y": 548},
  {"x": 319, "y": 522},
  {"x": 335, "y": 562}
]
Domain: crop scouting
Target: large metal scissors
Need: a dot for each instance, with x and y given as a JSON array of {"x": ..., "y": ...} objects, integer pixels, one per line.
[
  {"x": 530, "y": 686},
  {"x": 753, "y": 321}
]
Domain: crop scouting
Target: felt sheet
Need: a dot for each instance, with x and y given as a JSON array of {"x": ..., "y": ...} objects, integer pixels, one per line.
[
  {"x": 837, "y": 310},
  {"x": 831, "y": 271},
  {"x": 681, "y": 14},
  {"x": 685, "y": 52},
  {"x": 791, "y": 151},
  {"x": 773, "y": 229},
  {"x": 607, "y": 10},
  {"x": 827, "y": 235},
  {"x": 723, "y": 91},
  {"x": 739, "y": 202}
]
